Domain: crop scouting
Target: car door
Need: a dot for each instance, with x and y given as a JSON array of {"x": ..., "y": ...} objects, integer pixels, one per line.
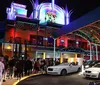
[
  {"x": 73, "y": 68},
  {"x": 70, "y": 68}
]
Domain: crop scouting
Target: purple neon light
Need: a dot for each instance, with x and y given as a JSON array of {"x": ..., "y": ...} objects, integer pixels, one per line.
[
  {"x": 16, "y": 10},
  {"x": 40, "y": 9},
  {"x": 36, "y": 3},
  {"x": 53, "y": 3},
  {"x": 49, "y": 5},
  {"x": 18, "y": 5}
]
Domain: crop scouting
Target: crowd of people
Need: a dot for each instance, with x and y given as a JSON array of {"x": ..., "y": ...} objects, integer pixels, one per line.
[{"x": 17, "y": 68}]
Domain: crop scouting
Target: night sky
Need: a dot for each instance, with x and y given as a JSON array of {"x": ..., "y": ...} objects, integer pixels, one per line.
[{"x": 80, "y": 7}]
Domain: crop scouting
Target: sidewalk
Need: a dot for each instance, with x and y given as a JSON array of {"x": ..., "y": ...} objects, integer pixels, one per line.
[
  {"x": 15, "y": 81},
  {"x": 9, "y": 82}
]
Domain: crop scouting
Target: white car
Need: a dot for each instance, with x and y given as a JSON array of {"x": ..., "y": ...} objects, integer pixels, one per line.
[
  {"x": 93, "y": 72},
  {"x": 63, "y": 69}
]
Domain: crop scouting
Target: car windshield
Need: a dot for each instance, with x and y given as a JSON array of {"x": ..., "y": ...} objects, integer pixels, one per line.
[
  {"x": 97, "y": 65},
  {"x": 91, "y": 63},
  {"x": 64, "y": 64}
]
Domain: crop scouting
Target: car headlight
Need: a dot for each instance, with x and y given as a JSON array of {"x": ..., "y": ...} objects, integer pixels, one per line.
[
  {"x": 95, "y": 72},
  {"x": 87, "y": 66}
]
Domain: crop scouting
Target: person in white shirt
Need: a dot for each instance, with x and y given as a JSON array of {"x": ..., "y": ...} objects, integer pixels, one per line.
[{"x": 1, "y": 70}]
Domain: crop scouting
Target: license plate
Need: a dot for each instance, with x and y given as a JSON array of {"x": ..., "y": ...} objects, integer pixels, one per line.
[{"x": 87, "y": 75}]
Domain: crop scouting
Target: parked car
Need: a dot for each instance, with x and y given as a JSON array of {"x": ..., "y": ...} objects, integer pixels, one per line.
[
  {"x": 63, "y": 69},
  {"x": 90, "y": 63},
  {"x": 93, "y": 72}
]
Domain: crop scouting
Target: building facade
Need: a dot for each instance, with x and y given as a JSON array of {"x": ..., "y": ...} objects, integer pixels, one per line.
[{"x": 32, "y": 36}]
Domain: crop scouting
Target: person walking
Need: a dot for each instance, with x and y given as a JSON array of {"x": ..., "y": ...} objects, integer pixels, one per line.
[
  {"x": 19, "y": 69},
  {"x": 1, "y": 71},
  {"x": 11, "y": 64},
  {"x": 37, "y": 66}
]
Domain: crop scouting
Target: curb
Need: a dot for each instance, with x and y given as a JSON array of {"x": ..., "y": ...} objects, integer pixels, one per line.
[{"x": 23, "y": 78}]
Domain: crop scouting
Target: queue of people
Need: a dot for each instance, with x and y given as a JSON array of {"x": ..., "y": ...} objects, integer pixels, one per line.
[{"x": 17, "y": 68}]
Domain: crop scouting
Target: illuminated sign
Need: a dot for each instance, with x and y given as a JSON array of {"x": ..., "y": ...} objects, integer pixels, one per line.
[
  {"x": 47, "y": 14},
  {"x": 16, "y": 10},
  {"x": 50, "y": 16},
  {"x": 21, "y": 12}
]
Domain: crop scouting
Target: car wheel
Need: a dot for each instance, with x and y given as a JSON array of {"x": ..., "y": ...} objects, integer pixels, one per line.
[
  {"x": 79, "y": 69},
  {"x": 63, "y": 72}
]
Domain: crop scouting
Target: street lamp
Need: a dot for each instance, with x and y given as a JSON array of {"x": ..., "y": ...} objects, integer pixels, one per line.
[{"x": 54, "y": 50}]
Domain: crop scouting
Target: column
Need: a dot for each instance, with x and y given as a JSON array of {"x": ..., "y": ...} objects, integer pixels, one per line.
[
  {"x": 14, "y": 43},
  {"x": 61, "y": 58},
  {"x": 96, "y": 51},
  {"x": 90, "y": 51},
  {"x": 82, "y": 59},
  {"x": 44, "y": 55},
  {"x": 82, "y": 63},
  {"x": 54, "y": 50},
  {"x": 75, "y": 59}
]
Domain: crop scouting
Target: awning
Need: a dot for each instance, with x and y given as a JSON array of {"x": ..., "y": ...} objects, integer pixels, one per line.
[{"x": 85, "y": 20}]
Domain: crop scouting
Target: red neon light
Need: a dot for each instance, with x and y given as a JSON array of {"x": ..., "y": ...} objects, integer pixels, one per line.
[{"x": 13, "y": 33}]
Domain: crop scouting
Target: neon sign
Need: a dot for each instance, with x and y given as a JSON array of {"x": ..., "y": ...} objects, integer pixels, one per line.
[
  {"x": 47, "y": 14},
  {"x": 50, "y": 16},
  {"x": 16, "y": 10}
]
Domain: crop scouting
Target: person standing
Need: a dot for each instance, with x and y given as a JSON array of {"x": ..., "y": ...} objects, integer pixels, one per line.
[{"x": 1, "y": 71}]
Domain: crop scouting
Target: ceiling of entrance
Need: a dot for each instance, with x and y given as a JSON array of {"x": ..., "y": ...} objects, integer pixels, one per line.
[
  {"x": 90, "y": 32},
  {"x": 87, "y": 26}
]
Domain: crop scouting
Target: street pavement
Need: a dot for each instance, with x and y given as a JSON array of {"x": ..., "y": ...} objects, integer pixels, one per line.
[{"x": 70, "y": 79}]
